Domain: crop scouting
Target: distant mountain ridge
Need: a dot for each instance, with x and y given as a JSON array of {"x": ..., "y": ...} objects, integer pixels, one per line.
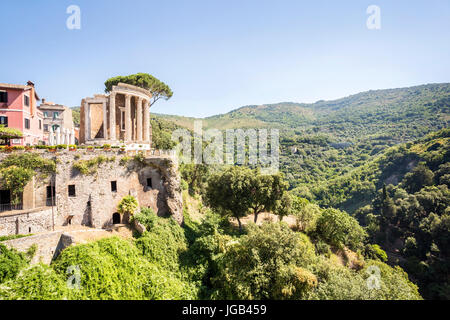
[
  {"x": 410, "y": 104},
  {"x": 326, "y": 139}
]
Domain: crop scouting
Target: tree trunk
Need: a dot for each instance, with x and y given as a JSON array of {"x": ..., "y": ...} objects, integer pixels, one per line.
[
  {"x": 240, "y": 224},
  {"x": 256, "y": 216}
]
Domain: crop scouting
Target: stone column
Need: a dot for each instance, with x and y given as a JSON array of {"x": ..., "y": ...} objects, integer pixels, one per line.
[
  {"x": 112, "y": 116},
  {"x": 58, "y": 136},
  {"x": 87, "y": 133},
  {"x": 139, "y": 119},
  {"x": 63, "y": 136},
  {"x": 67, "y": 136},
  {"x": 128, "y": 129},
  {"x": 51, "y": 136},
  {"x": 105, "y": 126},
  {"x": 147, "y": 121},
  {"x": 72, "y": 137}
]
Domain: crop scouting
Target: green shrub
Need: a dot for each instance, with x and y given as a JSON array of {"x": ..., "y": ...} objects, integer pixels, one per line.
[
  {"x": 163, "y": 242},
  {"x": 339, "y": 229},
  {"x": 146, "y": 217},
  {"x": 374, "y": 251},
  {"x": 86, "y": 167},
  {"x": 11, "y": 261},
  {"x": 270, "y": 262},
  {"x": 38, "y": 282},
  {"x": 124, "y": 160},
  {"x": 114, "y": 269},
  {"x": 15, "y": 236},
  {"x": 128, "y": 205}
]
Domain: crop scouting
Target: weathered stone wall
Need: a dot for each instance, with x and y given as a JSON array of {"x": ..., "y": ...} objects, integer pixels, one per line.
[
  {"x": 94, "y": 202},
  {"x": 96, "y": 115},
  {"x": 49, "y": 245},
  {"x": 46, "y": 245},
  {"x": 33, "y": 221}
]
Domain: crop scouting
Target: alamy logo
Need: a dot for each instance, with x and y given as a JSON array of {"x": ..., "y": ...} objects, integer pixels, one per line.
[
  {"x": 374, "y": 279},
  {"x": 74, "y": 20},
  {"x": 210, "y": 147},
  {"x": 74, "y": 280},
  {"x": 374, "y": 20}
]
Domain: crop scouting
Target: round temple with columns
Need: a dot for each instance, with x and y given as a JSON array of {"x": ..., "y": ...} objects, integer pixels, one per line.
[{"x": 122, "y": 117}]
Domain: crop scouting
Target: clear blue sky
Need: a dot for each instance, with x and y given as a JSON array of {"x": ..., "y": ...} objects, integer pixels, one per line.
[{"x": 220, "y": 55}]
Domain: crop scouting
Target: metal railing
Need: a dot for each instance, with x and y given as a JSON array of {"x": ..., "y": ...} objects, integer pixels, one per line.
[{"x": 10, "y": 207}]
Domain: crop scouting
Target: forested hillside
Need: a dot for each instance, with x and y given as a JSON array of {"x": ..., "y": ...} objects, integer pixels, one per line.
[
  {"x": 326, "y": 139},
  {"x": 383, "y": 156}
]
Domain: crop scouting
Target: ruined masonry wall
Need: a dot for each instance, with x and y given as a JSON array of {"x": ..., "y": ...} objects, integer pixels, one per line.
[
  {"x": 94, "y": 202},
  {"x": 35, "y": 221}
]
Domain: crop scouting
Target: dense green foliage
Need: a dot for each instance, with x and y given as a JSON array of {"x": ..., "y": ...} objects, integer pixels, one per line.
[
  {"x": 109, "y": 269},
  {"x": 9, "y": 133},
  {"x": 201, "y": 260},
  {"x": 76, "y": 116},
  {"x": 340, "y": 229},
  {"x": 128, "y": 205},
  {"x": 340, "y": 154},
  {"x": 162, "y": 133},
  {"x": 270, "y": 262},
  {"x": 238, "y": 191},
  {"x": 11, "y": 262},
  {"x": 17, "y": 170},
  {"x": 327, "y": 139}
]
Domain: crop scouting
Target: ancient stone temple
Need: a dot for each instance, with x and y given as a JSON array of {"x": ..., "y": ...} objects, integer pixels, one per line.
[{"x": 122, "y": 117}]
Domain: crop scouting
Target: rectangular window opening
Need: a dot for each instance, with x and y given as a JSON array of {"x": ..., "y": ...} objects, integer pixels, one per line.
[
  {"x": 4, "y": 121},
  {"x": 72, "y": 192},
  {"x": 113, "y": 186},
  {"x": 4, "y": 96}
]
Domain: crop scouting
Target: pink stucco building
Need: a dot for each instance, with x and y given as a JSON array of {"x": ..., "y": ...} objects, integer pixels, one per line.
[{"x": 18, "y": 110}]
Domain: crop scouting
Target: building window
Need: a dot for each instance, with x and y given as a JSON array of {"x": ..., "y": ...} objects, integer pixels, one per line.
[
  {"x": 4, "y": 121},
  {"x": 55, "y": 115},
  {"x": 45, "y": 127},
  {"x": 26, "y": 100},
  {"x": 27, "y": 123},
  {"x": 45, "y": 114},
  {"x": 55, "y": 127},
  {"x": 149, "y": 182},
  {"x": 50, "y": 201},
  {"x": 113, "y": 186},
  {"x": 40, "y": 124},
  {"x": 3, "y": 96},
  {"x": 122, "y": 120},
  {"x": 72, "y": 192}
]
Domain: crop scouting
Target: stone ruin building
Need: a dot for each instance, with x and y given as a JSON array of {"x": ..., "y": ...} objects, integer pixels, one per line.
[
  {"x": 69, "y": 197},
  {"x": 122, "y": 117}
]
